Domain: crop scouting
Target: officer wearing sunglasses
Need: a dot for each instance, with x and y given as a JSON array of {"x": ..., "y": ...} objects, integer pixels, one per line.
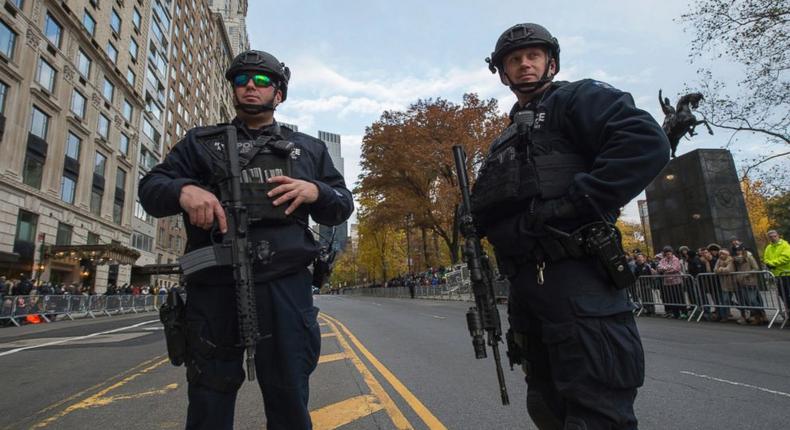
[{"x": 286, "y": 176}]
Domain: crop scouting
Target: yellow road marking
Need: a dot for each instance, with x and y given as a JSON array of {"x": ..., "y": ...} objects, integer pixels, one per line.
[
  {"x": 107, "y": 400},
  {"x": 428, "y": 418},
  {"x": 397, "y": 417},
  {"x": 97, "y": 399},
  {"x": 331, "y": 357},
  {"x": 341, "y": 413},
  {"x": 328, "y": 334}
]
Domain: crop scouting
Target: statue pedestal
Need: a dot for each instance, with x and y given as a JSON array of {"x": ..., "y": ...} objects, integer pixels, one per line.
[{"x": 697, "y": 200}]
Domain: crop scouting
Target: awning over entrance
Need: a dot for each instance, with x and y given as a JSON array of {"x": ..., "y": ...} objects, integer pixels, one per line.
[
  {"x": 8, "y": 257},
  {"x": 110, "y": 253}
]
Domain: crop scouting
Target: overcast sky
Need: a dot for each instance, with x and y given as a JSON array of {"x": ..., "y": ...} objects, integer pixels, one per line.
[{"x": 352, "y": 60}]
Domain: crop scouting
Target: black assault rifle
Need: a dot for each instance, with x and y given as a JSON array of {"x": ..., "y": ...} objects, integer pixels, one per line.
[
  {"x": 241, "y": 259},
  {"x": 484, "y": 316}
]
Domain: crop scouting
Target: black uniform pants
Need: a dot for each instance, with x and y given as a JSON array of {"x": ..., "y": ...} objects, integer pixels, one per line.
[
  {"x": 583, "y": 351},
  {"x": 283, "y": 360}
]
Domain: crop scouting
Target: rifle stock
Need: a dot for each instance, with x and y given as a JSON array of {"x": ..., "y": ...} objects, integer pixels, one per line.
[{"x": 483, "y": 318}]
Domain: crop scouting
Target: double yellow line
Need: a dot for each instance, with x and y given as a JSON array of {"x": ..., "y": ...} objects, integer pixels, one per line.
[{"x": 378, "y": 391}]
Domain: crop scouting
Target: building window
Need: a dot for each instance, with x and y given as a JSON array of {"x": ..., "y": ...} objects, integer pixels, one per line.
[
  {"x": 115, "y": 22},
  {"x": 130, "y": 76},
  {"x": 123, "y": 145},
  {"x": 151, "y": 132},
  {"x": 7, "y": 40},
  {"x": 153, "y": 107},
  {"x": 140, "y": 213},
  {"x": 84, "y": 64},
  {"x": 68, "y": 185},
  {"x": 64, "y": 234},
  {"x": 136, "y": 18},
  {"x": 39, "y": 123},
  {"x": 103, "y": 127},
  {"x": 45, "y": 75},
  {"x": 128, "y": 110},
  {"x": 108, "y": 90},
  {"x": 160, "y": 37},
  {"x": 93, "y": 238},
  {"x": 33, "y": 170},
  {"x": 133, "y": 48},
  {"x": 52, "y": 30},
  {"x": 26, "y": 224},
  {"x": 112, "y": 52},
  {"x": 100, "y": 164},
  {"x": 117, "y": 207},
  {"x": 89, "y": 23},
  {"x": 96, "y": 198},
  {"x": 73, "y": 144},
  {"x": 120, "y": 179},
  {"x": 142, "y": 241},
  {"x": 78, "y": 104},
  {"x": 3, "y": 95}
]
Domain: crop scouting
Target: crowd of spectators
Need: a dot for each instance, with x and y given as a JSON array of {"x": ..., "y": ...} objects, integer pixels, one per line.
[
  {"x": 736, "y": 286},
  {"x": 20, "y": 294}
]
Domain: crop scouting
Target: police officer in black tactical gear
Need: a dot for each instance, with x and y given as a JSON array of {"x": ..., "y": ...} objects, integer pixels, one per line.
[
  {"x": 278, "y": 202},
  {"x": 546, "y": 197}
]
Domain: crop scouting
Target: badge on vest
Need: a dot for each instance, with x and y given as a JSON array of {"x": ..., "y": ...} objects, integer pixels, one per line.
[{"x": 540, "y": 119}]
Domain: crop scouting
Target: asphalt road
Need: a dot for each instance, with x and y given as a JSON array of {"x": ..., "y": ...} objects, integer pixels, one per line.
[{"x": 386, "y": 364}]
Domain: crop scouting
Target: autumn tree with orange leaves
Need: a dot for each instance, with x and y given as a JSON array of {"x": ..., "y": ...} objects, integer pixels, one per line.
[{"x": 408, "y": 170}]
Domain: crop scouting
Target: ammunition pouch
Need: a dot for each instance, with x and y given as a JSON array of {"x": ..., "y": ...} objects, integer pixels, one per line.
[
  {"x": 254, "y": 186},
  {"x": 555, "y": 173},
  {"x": 507, "y": 181},
  {"x": 172, "y": 313}
]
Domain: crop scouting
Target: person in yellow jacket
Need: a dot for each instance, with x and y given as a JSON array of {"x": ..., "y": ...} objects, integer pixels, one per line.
[{"x": 777, "y": 258}]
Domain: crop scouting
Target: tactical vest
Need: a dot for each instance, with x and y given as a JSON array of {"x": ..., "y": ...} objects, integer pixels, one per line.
[
  {"x": 271, "y": 158},
  {"x": 533, "y": 158},
  {"x": 259, "y": 159}
]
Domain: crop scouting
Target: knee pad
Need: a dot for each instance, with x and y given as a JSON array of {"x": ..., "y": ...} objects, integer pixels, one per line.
[{"x": 541, "y": 414}]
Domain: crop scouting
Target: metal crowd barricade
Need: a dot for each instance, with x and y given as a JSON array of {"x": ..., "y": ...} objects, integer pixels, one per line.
[
  {"x": 22, "y": 307},
  {"x": 138, "y": 303},
  {"x": 7, "y": 309},
  {"x": 741, "y": 292},
  {"x": 783, "y": 290},
  {"x": 78, "y": 305},
  {"x": 55, "y": 305},
  {"x": 16, "y": 308},
  {"x": 98, "y": 304},
  {"x": 676, "y": 294}
]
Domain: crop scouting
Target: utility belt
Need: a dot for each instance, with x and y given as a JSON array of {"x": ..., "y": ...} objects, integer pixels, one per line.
[{"x": 600, "y": 240}]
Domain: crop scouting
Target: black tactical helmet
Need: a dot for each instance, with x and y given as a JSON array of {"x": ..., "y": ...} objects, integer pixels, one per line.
[
  {"x": 260, "y": 61},
  {"x": 521, "y": 36}
]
